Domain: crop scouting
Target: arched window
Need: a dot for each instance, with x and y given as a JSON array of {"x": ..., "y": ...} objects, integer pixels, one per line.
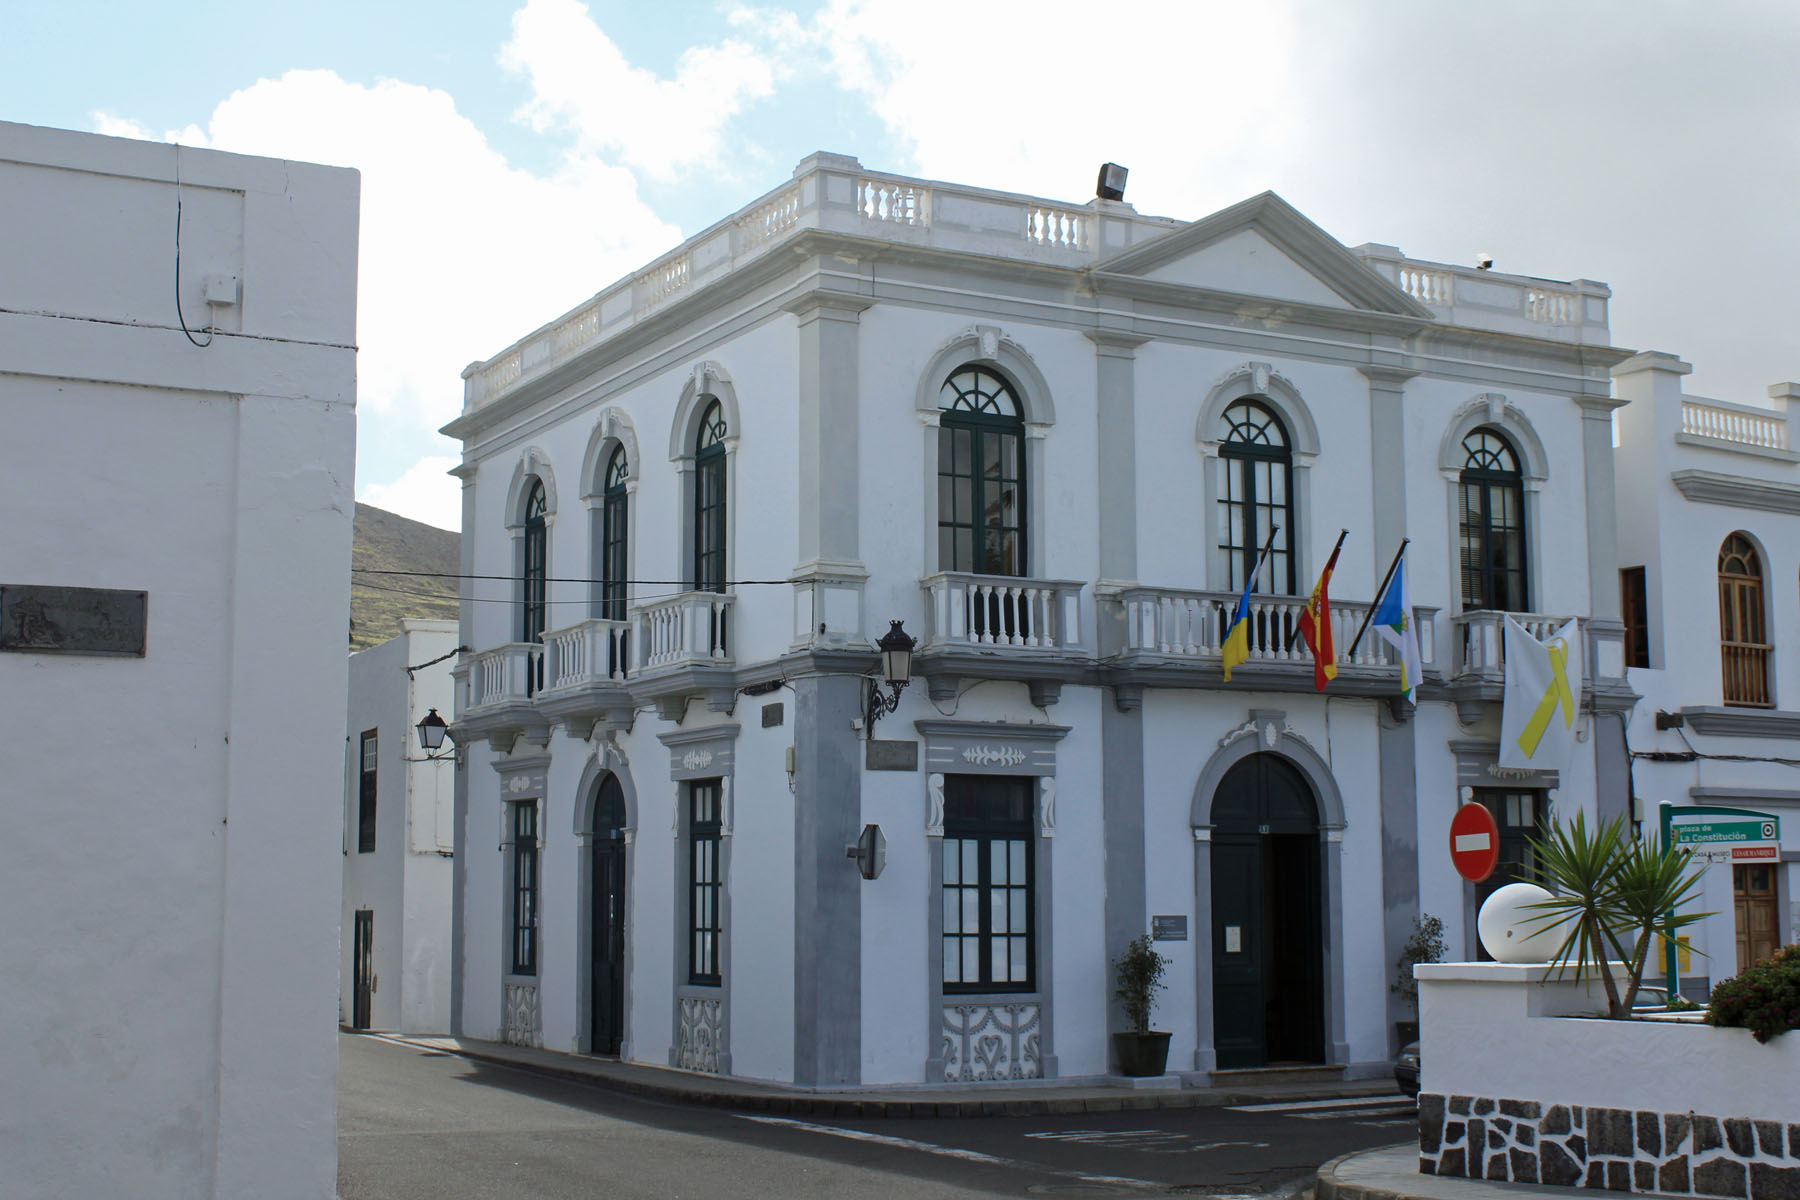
[
  {"x": 981, "y": 475},
  {"x": 1742, "y": 638},
  {"x": 1256, "y": 494},
  {"x": 1492, "y": 526},
  {"x": 614, "y": 569},
  {"x": 533, "y": 570},
  {"x": 709, "y": 501}
]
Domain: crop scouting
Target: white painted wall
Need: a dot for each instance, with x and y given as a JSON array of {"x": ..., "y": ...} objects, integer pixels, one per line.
[
  {"x": 1501, "y": 1030},
  {"x": 406, "y": 881},
  {"x": 173, "y": 879},
  {"x": 1677, "y": 541}
]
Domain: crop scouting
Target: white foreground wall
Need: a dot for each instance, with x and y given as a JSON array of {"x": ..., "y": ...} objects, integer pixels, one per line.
[{"x": 170, "y": 878}]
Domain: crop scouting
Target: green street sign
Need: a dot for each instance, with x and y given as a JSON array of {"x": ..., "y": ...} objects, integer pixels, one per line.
[{"x": 1755, "y": 829}]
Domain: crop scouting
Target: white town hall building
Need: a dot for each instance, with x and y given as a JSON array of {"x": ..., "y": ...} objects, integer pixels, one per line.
[{"x": 1048, "y": 438}]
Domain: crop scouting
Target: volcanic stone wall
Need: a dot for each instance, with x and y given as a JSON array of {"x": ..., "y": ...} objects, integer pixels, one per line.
[{"x": 1615, "y": 1149}]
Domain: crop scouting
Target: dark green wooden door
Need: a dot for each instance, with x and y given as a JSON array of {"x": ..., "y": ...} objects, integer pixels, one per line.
[
  {"x": 606, "y": 954},
  {"x": 1267, "y": 917}
]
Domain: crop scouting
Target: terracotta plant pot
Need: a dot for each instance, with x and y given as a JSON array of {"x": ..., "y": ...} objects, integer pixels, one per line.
[{"x": 1142, "y": 1055}]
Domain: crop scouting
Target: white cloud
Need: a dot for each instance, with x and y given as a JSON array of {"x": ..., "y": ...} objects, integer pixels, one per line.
[
  {"x": 1188, "y": 94},
  {"x": 424, "y": 493},
  {"x": 460, "y": 252},
  {"x": 581, "y": 83}
]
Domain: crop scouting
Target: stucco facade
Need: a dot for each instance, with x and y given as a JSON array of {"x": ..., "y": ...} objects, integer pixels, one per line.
[
  {"x": 1068, "y": 768},
  {"x": 172, "y": 717},
  {"x": 1709, "y": 508},
  {"x": 398, "y": 843}
]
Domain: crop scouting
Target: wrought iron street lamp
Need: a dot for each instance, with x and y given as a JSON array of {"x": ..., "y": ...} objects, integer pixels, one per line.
[{"x": 896, "y": 648}]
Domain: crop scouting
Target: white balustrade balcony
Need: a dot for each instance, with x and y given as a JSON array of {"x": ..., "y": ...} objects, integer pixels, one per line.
[
  {"x": 1193, "y": 624},
  {"x": 1001, "y": 613},
  {"x": 692, "y": 628},
  {"x": 593, "y": 652},
  {"x": 509, "y": 674},
  {"x": 1480, "y": 639}
]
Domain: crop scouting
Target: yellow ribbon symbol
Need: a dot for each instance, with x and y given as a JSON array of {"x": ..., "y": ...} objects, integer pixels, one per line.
[{"x": 1556, "y": 695}]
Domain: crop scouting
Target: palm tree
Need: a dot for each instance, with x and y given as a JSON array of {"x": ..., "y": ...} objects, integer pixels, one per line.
[{"x": 1620, "y": 896}]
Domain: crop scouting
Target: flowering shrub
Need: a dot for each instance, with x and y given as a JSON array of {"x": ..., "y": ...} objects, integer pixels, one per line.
[{"x": 1765, "y": 998}]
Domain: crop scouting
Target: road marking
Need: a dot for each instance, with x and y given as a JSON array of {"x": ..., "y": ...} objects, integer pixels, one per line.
[
  {"x": 974, "y": 1156},
  {"x": 1349, "y": 1114},
  {"x": 1151, "y": 1141},
  {"x": 1297, "y": 1105}
]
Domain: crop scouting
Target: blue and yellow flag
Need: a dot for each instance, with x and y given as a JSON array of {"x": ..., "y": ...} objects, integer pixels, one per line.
[{"x": 1237, "y": 638}]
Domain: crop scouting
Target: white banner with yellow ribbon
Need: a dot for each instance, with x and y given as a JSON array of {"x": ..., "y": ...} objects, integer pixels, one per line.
[{"x": 1543, "y": 698}]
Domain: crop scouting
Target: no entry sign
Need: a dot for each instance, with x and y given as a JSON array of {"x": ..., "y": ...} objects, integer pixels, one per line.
[{"x": 1474, "y": 842}]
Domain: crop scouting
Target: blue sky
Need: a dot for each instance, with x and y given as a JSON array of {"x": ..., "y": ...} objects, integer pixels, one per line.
[{"x": 517, "y": 157}]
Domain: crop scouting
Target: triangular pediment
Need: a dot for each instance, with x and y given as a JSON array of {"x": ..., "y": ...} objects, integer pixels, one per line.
[{"x": 1265, "y": 248}]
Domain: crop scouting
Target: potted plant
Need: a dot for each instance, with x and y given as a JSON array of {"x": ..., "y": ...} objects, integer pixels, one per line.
[
  {"x": 1619, "y": 897},
  {"x": 1426, "y": 945},
  {"x": 1138, "y": 973}
]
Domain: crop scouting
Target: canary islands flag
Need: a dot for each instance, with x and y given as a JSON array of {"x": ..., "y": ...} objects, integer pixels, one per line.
[
  {"x": 1237, "y": 637},
  {"x": 1393, "y": 620}
]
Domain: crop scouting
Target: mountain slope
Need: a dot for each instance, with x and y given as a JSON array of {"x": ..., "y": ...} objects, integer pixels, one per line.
[{"x": 386, "y": 541}]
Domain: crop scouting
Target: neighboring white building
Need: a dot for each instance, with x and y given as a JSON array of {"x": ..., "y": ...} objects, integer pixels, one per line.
[
  {"x": 173, "y": 600},
  {"x": 1709, "y": 547},
  {"x": 395, "y": 971},
  {"x": 1048, "y": 437}
]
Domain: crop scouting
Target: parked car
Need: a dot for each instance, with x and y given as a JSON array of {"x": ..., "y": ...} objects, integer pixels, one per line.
[{"x": 1406, "y": 1069}]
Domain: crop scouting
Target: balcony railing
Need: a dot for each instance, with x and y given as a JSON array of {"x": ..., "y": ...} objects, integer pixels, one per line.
[
  {"x": 1180, "y": 623},
  {"x": 690, "y": 628},
  {"x": 1745, "y": 667},
  {"x": 591, "y": 652},
  {"x": 505, "y": 674},
  {"x": 1734, "y": 425},
  {"x": 1002, "y": 612},
  {"x": 1481, "y": 643}
]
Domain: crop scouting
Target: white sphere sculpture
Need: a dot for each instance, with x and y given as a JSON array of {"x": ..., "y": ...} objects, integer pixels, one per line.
[{"x": 1514, "y": 932}]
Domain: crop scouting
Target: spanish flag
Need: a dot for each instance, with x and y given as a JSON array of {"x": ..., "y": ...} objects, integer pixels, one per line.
[
  {"x": 1237, "y": 638},
  {"x": 1315, "y": 624}
]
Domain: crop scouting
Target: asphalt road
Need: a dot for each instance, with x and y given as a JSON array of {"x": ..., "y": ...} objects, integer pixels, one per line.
[{"x": 420, "y": 1125}]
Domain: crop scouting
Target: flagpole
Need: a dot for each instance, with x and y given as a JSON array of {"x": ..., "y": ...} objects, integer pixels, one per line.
[
  {"x": 1379, "y": 593},
  {"x": 1256, "y": 571},
  {"x": 1295, "y": 632}
]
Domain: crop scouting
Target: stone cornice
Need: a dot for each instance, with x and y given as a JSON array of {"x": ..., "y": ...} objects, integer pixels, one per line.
[
  {"x": 945, "y": 728},
  {"x": 1742, "y": 722},
  {"x": 1737, "y": 491}
]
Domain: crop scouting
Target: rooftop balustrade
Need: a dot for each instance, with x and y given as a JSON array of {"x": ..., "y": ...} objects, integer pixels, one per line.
[{"x": 833, "y": 193}]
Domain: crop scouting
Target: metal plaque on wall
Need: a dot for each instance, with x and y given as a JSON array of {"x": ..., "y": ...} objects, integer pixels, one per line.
[
  {"x": 1168, "y": 929},
  {"x": 891, "y": 756},
  {"x": 72, "y": 620}
]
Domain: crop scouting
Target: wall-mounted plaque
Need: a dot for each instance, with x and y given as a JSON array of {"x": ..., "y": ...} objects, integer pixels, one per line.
[
  {"x": 70, "y": 620},
  {"x": 891, "y": 756},
  {"x": 772, "y": 715},
  {"x": 1168, "y": 929}
]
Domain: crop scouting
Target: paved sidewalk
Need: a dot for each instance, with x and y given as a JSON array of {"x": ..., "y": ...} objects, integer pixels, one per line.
[
  {"x": 993, "y": 1100},
  {"x": 1392, "y": 1173}
]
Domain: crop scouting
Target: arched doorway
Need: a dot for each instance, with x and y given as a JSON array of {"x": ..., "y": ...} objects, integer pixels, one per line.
[
  {"x": 1267, "y": 927},
  {"x": 606, "y": 955}
]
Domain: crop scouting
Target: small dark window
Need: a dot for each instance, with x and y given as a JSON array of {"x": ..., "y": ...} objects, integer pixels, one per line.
[
  {"x": 1743, "y": 642},
  {"x": 614, "y": 512},
  {"x": 1491, "y": 529},
  {"x": 365, "y": 796},
  {"x": 1634, "y": 613},
  {"x": 1256, "y": 495},
  {"x": 525, "y": 887},
  {"x": 981, "y": 475},
  {"x": 704, "y": 925},
  {"x": 532, "y": 585},
  {"x": 989, "y": 885},
  {"x": 709, "y": 501}
]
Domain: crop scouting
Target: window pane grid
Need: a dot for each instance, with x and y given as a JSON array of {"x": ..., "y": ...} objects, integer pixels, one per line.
[
  {"x": 1491, "y": 537},
  {"x": 987, "y": 885},
  {"x": 1256, "y": 497},
  {"x": 704, "y": 880},
  {"x": 525, "y": 888},
  {"x": 365, "y": 796}
]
